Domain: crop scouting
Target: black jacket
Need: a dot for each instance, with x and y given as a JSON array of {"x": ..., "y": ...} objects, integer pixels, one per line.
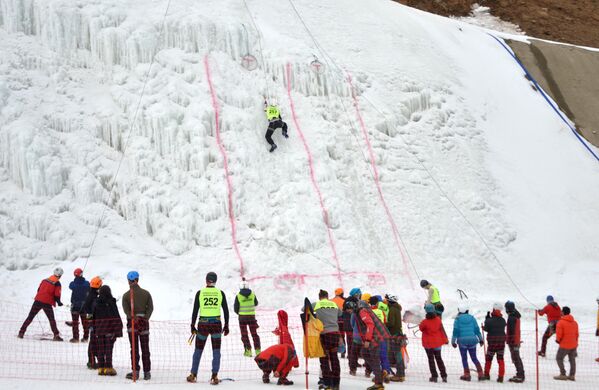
[
  {"x": 90, "y": 299},
  {"x": 107, "y": 320},
  {"x": 495, "y": 327},
  {"x": 513, "y": 327}
]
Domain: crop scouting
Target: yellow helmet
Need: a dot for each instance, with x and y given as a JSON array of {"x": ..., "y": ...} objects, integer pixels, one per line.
[{"x": 366, "y": 297}]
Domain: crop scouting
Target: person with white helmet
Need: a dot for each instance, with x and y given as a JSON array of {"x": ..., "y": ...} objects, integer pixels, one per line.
[
  {"x": 466, "y": 334},
  {"x": 48, "y": 295}
]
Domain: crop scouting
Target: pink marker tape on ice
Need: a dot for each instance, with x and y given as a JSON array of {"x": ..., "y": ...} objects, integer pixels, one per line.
[
  {"x": 223, "y": 152},
  {"x": 325, "y": 213},
  {"x": 400, "y": 246}
]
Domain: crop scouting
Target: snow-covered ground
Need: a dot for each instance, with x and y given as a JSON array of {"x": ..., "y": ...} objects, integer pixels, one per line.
[{"x": 479, "y": 174}]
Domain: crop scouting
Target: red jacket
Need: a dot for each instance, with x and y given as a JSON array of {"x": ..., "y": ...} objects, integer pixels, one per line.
[
  {"x": 553, "y": 311},
  {"x": 433, "y": 333},
  {"x": 567, "y": 332},
  {"x": 283, "y": 332},
  {"x": 279, "y": 357},
  {"x": 49, "y": 291}
]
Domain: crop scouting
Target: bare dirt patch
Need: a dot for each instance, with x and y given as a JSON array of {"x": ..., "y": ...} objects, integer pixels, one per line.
[{"x": 575, "y": 22}]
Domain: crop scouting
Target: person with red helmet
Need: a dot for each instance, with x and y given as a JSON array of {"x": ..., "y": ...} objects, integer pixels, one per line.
[
  {"x": 79, "y": 287},
  {"x": 48, "y": 296}
]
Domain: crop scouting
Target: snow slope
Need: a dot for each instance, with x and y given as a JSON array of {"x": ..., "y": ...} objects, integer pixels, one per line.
[{"x": 465, "y": 150}]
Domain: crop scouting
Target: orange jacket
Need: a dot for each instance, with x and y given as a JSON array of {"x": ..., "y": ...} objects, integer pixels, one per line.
[
  {"x": 567, "y": 332},
  {"x": 339, "y": 302}
]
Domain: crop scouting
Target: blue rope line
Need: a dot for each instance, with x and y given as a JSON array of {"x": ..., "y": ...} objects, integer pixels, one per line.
[{"x": 556, "y": 109}]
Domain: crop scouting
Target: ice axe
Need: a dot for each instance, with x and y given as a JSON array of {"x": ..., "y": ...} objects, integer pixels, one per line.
[{"x": 462, "y": 293}]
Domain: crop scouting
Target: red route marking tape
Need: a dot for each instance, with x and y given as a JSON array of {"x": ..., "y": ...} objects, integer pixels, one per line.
[
  {"x": 325, "y": 213},
  {"x": 396, "y": 237},
  {"x": 223, "y": 152}
]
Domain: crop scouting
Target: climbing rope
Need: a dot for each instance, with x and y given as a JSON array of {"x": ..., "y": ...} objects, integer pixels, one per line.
[{"x": 143, "y": 90}]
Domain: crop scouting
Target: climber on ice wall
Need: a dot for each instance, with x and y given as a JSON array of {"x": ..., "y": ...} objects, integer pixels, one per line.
[{"x": 273, "y": 115}]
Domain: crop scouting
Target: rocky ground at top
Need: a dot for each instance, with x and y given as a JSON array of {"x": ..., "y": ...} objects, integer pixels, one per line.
[{"x": 575, "y": 22}]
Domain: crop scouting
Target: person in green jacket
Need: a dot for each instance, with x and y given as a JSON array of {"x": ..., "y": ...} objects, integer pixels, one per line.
[
  {"x": 245, "y": 307},
  {"x": 434, "y": 298}
]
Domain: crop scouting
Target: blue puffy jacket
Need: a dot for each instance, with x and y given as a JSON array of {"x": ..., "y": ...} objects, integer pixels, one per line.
[
  {"x": 466, "y": 330},
  {"x": 80, "y": 288}
]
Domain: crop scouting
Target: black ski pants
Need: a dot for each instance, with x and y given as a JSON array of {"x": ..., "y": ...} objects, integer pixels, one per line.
[
  {"x": 105, "y": 345},
  {"x": 35, "y": 308},
  {"x": 434, "y": 354},
  {"x": 272, "y": 126},
  {"x": 246, "y": 323},
  {"x": 329, "y": 364},
  {"x": 142, "y": 339}
]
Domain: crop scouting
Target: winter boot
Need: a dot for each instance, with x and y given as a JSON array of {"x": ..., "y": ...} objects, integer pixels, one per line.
[
  {"x": 247, "y": 353},
  {"x": 484, "y": 377},
  {"x": 433, "y": 379},
  {"x": 376, "y": 386},
  {"x": 101, "y": 371},
  {"x": 131, "y": 376},
  {"x": 466, "y": 377},
  {"x": 92, "y": 365},
  {"x": 266, "y": 378},
  {"x": 397, "y": 378},
  {"x": 272, "y": 148},
  {"x": 258, "y": 351},
  {"x": 367, "y": 373},
  {"x": 560, "y": 377},
  {"x": 444, "y": 379},
  {"x": 214, "y": 379},
  {"x": 352, "y": 373},
  {"x": 147, "y": 376},
  {"x": 110, "y": 371},
  {"x": 192, "y": 378},
  {"x": 57, "y": 338},
  {"x": 385, "y": 376},
  {"x": 500, "y": 379},
  {"x": 84, "y": 340},
  {"x": 284, "y": 382},
  {"x": 516, "y": 379},
  {"x": 285, "y": 134},
  {"x": 541, "y": 353},
  {"x": 21, "y": 335},
  {"x": 571, "y": 378}
]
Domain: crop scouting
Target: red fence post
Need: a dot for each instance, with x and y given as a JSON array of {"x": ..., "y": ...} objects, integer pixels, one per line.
[
  {"x": 133, "y": 365},
  {"x": 537, "y": 346}
]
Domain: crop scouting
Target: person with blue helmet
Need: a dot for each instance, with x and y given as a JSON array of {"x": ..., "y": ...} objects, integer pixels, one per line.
[{"x": 138, "y": 307}]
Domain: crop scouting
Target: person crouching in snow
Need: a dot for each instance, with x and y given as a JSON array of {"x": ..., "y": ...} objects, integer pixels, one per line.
[
  {"x": 108, "y": 326},
  {"x": 283, "y": 332},
  {"x": 433, "y": 338},
  {"x": 278, "y": 359},
  {"x": 495, "y": 327},
  {"x": 466, "y": 334}
]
